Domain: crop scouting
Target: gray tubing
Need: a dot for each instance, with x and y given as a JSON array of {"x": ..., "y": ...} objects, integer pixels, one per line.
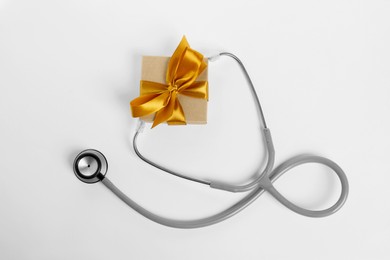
[
  {"x": 258, "y": 186},
  {"x": 254, "y": 183},
  {"x": 185, "y": 224},
  {"x": 262, "y": 183},
  {"x": 216, "y": 184},
  {"x": 266, "y": 184}
]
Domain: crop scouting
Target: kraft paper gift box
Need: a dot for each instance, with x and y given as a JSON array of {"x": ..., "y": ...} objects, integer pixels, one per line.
[{"x": 154, "y": 68}]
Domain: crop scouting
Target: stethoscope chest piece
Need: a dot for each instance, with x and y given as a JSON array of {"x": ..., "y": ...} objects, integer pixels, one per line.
[{"x": 90, "y": 166}]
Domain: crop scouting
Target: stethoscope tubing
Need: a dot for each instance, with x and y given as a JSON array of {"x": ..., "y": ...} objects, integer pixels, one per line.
[
  {"x": 264, "y": 181},
  {"x": 264, "y": 185}
]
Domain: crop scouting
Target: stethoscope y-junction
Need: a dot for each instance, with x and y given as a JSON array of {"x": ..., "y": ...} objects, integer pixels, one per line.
[{"x": 91, "y": 166}]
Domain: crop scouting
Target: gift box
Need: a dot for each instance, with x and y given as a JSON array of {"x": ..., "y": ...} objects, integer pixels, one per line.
[
  {"x": 173, "y": 90},
  {"x": 154, "y": 68}
]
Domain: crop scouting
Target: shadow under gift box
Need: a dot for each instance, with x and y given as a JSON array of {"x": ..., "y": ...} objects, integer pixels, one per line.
[{"x": 154, "y": 68}]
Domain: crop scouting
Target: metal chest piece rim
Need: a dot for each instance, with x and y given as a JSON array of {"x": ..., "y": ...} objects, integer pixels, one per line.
[{"x": 90, "y": 166}]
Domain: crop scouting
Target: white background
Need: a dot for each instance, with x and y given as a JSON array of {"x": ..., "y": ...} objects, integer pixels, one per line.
[{"x": 68, "y": 70}]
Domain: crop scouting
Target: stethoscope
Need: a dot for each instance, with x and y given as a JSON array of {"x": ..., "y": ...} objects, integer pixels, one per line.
[{"x": 91, "y": 166}]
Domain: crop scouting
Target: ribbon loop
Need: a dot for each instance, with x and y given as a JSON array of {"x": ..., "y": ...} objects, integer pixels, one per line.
[{"x": 184, "y": 67}]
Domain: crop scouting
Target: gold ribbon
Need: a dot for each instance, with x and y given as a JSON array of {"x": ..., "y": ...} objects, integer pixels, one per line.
[{"x": 184, "y": 67}]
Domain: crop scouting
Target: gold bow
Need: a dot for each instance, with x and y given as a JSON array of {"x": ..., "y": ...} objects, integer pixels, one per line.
[{"x": 184, "y": 67}]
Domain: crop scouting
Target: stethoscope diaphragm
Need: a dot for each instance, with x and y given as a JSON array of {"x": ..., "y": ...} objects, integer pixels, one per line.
[{"x": 90, "y": 166}]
